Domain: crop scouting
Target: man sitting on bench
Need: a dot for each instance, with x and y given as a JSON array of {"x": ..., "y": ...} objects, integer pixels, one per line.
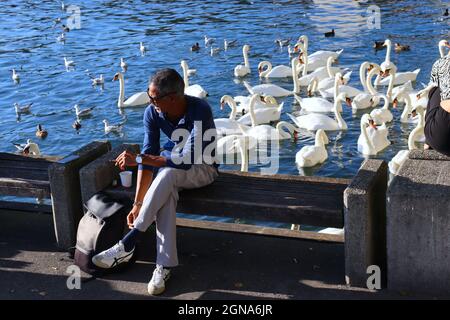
[{"x": 184, "y": 164}]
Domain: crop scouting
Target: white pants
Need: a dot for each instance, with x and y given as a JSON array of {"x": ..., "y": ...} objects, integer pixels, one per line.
[{"x": 160, "y": 203}]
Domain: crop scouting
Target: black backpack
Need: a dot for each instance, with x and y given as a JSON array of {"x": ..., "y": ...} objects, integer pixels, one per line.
[{"x": 101, "y": 227}]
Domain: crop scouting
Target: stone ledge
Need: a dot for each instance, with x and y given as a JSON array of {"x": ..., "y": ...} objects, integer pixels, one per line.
[{"x": 427, "y": 155}]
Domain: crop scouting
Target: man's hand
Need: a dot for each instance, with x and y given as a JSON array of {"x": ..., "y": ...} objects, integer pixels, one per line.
[
  {"x": 132, "y": 216},
  {"x": 126, "y": 159}
]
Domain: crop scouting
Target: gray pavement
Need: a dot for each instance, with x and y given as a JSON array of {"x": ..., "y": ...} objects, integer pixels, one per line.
[{"x": 213, "y": 265}]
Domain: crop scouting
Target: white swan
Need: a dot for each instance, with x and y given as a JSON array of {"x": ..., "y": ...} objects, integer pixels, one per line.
[
  {"x": 227, "y": 126},
  {"x": 315, "y": 121},
  {"x": 243, "y": 103},
  {"x": 372, "y": 142},
  {"x": 274, "y": 90},
  {"x": 280, "y": 71},
  {"x": 226, "y": 145},
  {"x": 137, "y": 99},
  {"x": 243, "y": 70},
  {"x": 397, "y": 161},
  {"x": 365, "y": 99},
  {"x": 194, "y": 90},
  {"x": 350, "y": 91},
  {"x": 266, "y": 132},
  {"x": 318, "y": 58},
  {"x": 316, "y": 104},
  {"x": 383, "y": 114},
  {"x": 320, "y": 73},
  {"x": 309, "y": 156},
  {"x": 416, "y": 98},
  {"x": 442, "y": 45},
  {"x": 262, "y": 115}
]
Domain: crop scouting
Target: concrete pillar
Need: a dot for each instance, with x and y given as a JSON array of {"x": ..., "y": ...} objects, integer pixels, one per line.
[
  {"x": 365, "y": 222},
  {"x": 100, "y": 173},
  {"x": 65, "y": 190},
  {"x": 418, "y": 225}
]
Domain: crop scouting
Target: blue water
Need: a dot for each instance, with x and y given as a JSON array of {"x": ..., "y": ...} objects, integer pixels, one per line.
[{"x": 113, "y": 29}]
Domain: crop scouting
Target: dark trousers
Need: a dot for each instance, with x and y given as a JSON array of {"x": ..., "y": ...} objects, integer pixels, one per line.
[{"x": 437, "y": 124}]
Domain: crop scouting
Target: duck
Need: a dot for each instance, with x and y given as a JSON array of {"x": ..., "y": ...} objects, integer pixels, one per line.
[
  {"x": 123, "y": 65},
  {"x": 142, "y": 48},
  {"x": 330, "y": 33},
  {"x": 243, "y": 70},
  {"x": 195, "y": 47},
  {"x": 68, "y": 63},
  {"x": 84, "y": 112},
  {"x": 398, "y": 47},
  {"x": 195, "y": 90},
  {"x": 40, "y": 132},
  {"x": 22, "y": 109},
  {"x": 378, "y": 45},
  {"x": 383, "y": 114},
  {"x": 76, "y": 125},
  {"x": 316, "y": 121},
  {"x": 309, "y": 156},
  {"x": 374, "y": 141},
  {"x": 15, "y": 76},
  {"x": 65, "y": 28},
  {"x": 112, "y": 128},
  {"x": 137, "y": 99},
  {"x": 446, "y": 14},
  {"x": 401, "y": 156},
  {"x": 274, "y": 90}
]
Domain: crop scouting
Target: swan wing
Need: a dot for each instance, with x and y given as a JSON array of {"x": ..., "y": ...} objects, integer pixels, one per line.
[{"x": 137, "y": 99}]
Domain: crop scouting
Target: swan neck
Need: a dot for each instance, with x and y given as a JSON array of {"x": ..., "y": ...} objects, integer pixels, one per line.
[
  {"x": 329, "y": 71},
  {"x": 185, "y": 75},
  {"x": 319, "y": 139},
  {"x": 418, "y": 129},
  {"x": 369, "y": 84},
  {"x": 366, "y": 138},
  {"x": 294, "y": 75},
  {"x": 122, "y": 90},
  {"x": 362, "y": 76},
  {"x": 252, "y": 109},
  {"x": 391, "y": 85},
  {"x": 268, "y": 66},
  {"x": 337, "y": 114},
  {"x": 246, "y": 62},
  {"x": 406, "y": 109},
  {"x": 232, "y": 104},
  {"x": 388, "y": 52}
]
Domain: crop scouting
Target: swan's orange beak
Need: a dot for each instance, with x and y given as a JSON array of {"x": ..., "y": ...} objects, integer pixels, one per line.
[
  {"x": 259, "y": 70},
  {"x": 447, "y": 44},
  {"x": 296, "y": 49},
  {"x": 262, "y": 98},
  {"x": 300, "y": 59},
  {"x": 372, "y": 124},
  {"x": 385, "y": 73},
  {"x": 342, "y": 80},
  {"x": 310, "y": 93},
  {"x": 395, "y": 103},
  {"x": 418, "y": 96},
  {"x": 348, "y": 101},
  {"x": 413, "y": 113},
  {"x": 222, "y": 105},
  {"x": 295, "y": 135},
  {"x": 370, "y": 67}
]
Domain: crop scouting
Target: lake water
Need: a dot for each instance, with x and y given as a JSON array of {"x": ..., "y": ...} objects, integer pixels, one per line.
[{"x": 113, "y": 29}]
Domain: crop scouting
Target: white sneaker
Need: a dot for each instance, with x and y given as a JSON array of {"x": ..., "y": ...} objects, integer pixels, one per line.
[
  {"x": 112, "y": 257},
  {"x": 157, "y": 284}
]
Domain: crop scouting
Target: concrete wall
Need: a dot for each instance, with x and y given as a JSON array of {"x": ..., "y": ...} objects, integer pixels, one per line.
[
  {"x": 65, "y": 190},
  {"x": 418, "y": 225},
  {"x": 365, "y": 222}
]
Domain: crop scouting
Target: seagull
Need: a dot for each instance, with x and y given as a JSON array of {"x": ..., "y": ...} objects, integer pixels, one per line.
[
  {"x": 97, "y": 81},
  {"x": 142, "y": 48},
  {"x": 62, "y": 37},
  {"x": 214, "y": 51},
  {"x": 123, "y": 64},
  {"x": 112, "y": 128},
  {"x": 24, "y": 109},
  {"x": 40, "y": 132},
  {"x": 63, "y": 6},
  {"x": 83, "y": 112},
  {"x": 68, "y": 63},
  {"x": 15, "y": 76},
  {"x": 209, "y": 41},
  {"x": 229, "y": 44},
  {"x": 283, "y": 43}
]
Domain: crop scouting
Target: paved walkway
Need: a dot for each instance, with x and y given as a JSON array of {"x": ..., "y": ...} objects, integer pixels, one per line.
[{"x": 214, "y": 265}]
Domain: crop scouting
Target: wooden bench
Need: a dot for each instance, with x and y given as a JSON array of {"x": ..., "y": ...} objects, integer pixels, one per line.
[
  {"x": 314, "y": 201},
  {"x": 49, "y": 177}
]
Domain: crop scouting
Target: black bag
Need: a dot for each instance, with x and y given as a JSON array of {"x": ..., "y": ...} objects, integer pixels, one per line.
[{"x": 101, "y": 227}]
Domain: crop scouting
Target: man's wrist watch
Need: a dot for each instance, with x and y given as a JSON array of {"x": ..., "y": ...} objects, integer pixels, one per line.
[{"x": 139, "y": 159}]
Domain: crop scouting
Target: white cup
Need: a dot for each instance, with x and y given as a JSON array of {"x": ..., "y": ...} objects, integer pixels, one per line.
[{"x": 126, "y": 178}]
